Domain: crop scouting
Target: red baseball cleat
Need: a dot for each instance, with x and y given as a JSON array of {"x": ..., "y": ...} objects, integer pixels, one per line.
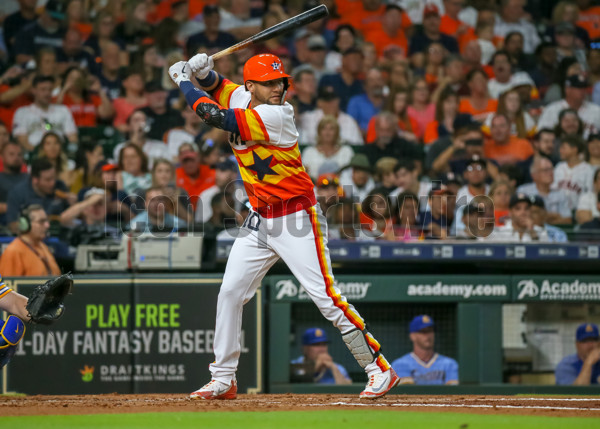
[
  {"x": 216, "y": 390},
  {"x": 380, "y": 384}
]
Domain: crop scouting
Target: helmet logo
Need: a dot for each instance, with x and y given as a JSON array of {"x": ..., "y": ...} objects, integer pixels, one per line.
[{"x": 276, "y": 66}]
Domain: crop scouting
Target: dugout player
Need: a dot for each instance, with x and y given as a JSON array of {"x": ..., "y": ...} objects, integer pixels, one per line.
[
  {"x": 423, "y": 365},
  {"x": 583, "y": 367},
  {"x": 315, "y": 353},
  {"x": 285, "y": 221}
]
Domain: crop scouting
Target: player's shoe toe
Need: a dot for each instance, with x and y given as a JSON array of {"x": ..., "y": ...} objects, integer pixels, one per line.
[
  {"x": 380, "y": 384},
  {"x": 216, "y": 390}
]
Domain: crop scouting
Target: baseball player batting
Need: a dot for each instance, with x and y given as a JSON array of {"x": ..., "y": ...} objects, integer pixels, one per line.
[{"x": 285, "y": 221}]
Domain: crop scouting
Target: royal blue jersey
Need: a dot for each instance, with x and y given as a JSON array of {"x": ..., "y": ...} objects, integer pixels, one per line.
[
  {"x": 569, "y": 368},
  {"x": 327, "y": 377},
  {"x": 439, "y": 370}
]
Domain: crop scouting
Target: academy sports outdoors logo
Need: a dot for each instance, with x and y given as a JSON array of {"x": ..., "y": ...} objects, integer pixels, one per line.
[
  {"x": 87, "y": 373},
  {"x": 465, "y": 291},
  {"x": 563, "y": 291},
  {"x": 351, "y": 290}
]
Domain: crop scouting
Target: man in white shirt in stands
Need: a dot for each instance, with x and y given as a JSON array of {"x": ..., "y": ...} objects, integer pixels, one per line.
[
  {"x": 576, "y": 90},
  {"x": 513, "y": 17},
  {"x": 407, "y": 180},
  {"x": 138, "y": 127},
  {"x": 31, "y": 122},
  {"x": 574, "y": 176},
  {"x": 504, "y": 78},
  {"x": 520, "y": 228},
  {"x": 475, "y": 176},
  {"x": 556, "y": 202},
  {"x": 356, "y": 178},
  {"x": 175, "y": 137}
]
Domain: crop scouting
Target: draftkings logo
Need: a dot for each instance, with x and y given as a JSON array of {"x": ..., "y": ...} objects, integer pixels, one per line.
[{"x": 87, "y": 373}]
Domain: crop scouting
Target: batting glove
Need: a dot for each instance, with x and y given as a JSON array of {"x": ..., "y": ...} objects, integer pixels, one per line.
[
  {"x": 201, "y": 65},
  {"x": 180, "y": 71}
]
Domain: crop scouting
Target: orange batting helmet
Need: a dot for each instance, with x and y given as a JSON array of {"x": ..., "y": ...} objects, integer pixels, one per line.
[{"x": 264, "y": 67}]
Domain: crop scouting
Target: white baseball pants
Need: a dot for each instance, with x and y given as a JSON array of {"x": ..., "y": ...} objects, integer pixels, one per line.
[{"x": 300, "y": 239}]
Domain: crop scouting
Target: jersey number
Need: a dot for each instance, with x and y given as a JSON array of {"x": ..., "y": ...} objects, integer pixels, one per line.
[{"x": 252, "y": 221}]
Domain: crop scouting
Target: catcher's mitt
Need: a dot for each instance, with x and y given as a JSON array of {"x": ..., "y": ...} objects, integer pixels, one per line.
[{"x": 45, "y": 304}]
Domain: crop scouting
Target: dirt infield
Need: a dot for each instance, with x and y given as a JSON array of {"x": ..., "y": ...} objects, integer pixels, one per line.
[{"x": 113, "y": 403}]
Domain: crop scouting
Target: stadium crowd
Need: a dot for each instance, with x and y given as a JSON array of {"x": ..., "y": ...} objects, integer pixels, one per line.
[{"x": 438, "y": 119}]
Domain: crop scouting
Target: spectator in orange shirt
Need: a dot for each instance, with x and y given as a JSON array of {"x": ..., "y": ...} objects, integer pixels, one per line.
[
  {"x": 434, "y": 64},
  {"x": 420, "y": 108},
  {"x": 454, "y": 27},
  {"x": 27, "y": 255},
  {"x": 376, "y": 215},
  {"x": 76, "y": 18},
  {"x": 479, "y": 104},
  {"x": 500, "y": 192},
  {"x": 367, "y": 15},
  {"x": 389, "y": 35},
  {"x": 589, "y": 18},
  {"x": 397, "y": 102},
  {"x": 193, "y": 176},
  {"x": 15, "y": 92},
  {"x": 134, "y": 98},
  {"x": 446, "y": 109},
  {"x": 86, "y": 106},
  {"x": 504, "y": 148}
]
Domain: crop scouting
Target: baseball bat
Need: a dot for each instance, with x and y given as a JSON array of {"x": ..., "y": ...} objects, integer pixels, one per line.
[{"x": 274, "y": 31}]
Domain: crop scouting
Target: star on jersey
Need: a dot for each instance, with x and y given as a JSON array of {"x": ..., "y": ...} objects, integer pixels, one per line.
[{"x": 261, "y": 167}]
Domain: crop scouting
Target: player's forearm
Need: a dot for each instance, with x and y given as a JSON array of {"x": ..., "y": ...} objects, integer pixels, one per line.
[
  {"x": 211, "y": 82},
  {"x": 211, "y": 112},
  {"x": 15, "y": 303},
  {"x": 585, "y": 376},
  {"x": 194, "y": 95}
]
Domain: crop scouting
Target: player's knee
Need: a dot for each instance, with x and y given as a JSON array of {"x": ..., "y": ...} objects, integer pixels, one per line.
[
  {"x": 11, "y": 333},
  {"x": 231, "y": 294}
]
